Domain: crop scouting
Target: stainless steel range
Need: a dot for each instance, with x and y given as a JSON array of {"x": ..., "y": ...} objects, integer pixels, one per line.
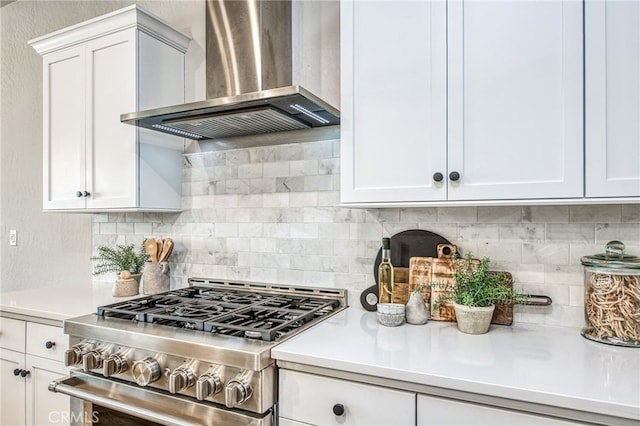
[{"x": 198, "y": 355}]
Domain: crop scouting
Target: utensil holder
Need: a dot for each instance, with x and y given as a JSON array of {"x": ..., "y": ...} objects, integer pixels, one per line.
[{"x": 155, "y": 277}]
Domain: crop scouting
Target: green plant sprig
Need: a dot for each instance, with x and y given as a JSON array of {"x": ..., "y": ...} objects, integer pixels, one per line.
[
  {"x": 120, "y": 258},
  {"x": 475, "y": 285}
]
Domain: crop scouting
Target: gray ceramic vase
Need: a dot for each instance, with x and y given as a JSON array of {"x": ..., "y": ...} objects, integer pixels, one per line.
[{"x": 416, "y": 311}]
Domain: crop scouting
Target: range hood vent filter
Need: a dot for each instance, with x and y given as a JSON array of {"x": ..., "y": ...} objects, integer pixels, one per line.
[{"x": 240, "y": 123}]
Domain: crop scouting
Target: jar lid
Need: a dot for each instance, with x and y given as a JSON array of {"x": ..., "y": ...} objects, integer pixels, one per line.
[{"x": 613, "y": 257}]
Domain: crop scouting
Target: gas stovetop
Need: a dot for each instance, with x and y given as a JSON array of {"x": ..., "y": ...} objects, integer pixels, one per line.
[
  {"x": 210, "y": 342},
  {"x": 257, "y": 312}
]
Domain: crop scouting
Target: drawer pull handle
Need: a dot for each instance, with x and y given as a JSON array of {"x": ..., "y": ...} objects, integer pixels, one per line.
[
  {"x": 338, "y": 409},
  {"x": 49, "y": 344}
]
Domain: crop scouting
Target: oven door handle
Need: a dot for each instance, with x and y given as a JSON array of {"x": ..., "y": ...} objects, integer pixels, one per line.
[{"x": 150, "y": 405}]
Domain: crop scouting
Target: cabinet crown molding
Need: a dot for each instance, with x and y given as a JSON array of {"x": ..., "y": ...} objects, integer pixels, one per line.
[{"x": 129, "y": 17}]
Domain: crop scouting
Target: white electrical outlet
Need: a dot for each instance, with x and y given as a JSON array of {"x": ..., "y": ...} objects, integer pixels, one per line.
[{"x": 13, "y": 237}]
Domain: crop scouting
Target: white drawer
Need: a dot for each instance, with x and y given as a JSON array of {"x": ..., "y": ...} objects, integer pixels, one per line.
[
  {"x": 311, "y": 399},
  {"x": 38, "y": 335},
  {"x": 12, "y": 334}
]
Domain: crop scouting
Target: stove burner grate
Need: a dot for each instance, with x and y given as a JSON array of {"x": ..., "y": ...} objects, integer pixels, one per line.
[{"x": 231, "y": 312}]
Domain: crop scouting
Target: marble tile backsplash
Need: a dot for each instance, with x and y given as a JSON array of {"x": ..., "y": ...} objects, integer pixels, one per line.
[{"x": 272, "y": 214}]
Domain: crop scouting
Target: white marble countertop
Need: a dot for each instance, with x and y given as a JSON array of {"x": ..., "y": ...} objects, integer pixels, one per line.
[
  {"x": 59, "y": 302},
  {"x": 546, "y": 365}
]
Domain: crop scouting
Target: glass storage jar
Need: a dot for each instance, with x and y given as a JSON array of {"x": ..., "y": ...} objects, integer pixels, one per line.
[{"x": 612, "y": 297}]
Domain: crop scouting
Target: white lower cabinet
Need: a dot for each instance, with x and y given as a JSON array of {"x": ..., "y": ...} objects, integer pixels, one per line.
[
  {"x": 31, "y": 356},
  {"x": 446, "y": 412},
  {"x": 315, "y": 400}
]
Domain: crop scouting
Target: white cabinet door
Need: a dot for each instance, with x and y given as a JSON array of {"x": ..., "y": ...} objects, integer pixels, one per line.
[
  {"x": 393, "y": 121},
  {"x": 612, "y": 93},
  {"x": 447, "y": 412},
  {"x": 64, "y": 129},
  {"x": 311, "y": 399},
  {"x": 12, "y": 388},
  {"x": 111, "y": 145},
  {"x": 515, "y": 99},
  {"x": 45, "y": 407}
]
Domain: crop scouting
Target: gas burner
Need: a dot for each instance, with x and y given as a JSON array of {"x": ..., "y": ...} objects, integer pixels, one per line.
[{"x": 242, "y": 298}]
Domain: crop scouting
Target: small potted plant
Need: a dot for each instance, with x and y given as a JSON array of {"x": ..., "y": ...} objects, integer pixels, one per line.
[
  {"x": 120, "y": 258},
  {"x": 474, "y": 292}
]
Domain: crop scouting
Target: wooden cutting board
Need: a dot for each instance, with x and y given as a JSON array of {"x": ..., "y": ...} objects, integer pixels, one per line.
[{"x": 426, "y": 271}]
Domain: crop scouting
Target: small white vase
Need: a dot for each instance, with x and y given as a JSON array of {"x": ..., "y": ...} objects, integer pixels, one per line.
[
  {"x": 473, "y": 319},
  {"x": 416, "y": 311}
]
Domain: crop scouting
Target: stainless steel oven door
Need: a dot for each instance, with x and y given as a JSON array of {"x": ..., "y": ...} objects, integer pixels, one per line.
[{"x": 159, "y": 407}]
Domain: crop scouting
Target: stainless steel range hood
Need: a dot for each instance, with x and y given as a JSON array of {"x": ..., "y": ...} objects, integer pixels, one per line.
[{"x": 249, "y": 90}]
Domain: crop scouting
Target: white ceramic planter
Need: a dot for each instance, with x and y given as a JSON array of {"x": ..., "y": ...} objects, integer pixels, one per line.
[{"x": 472, "y": 319}]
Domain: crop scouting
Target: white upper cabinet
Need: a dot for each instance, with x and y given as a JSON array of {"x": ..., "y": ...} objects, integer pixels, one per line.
[
  {"x": 515, "y": 99},
  {"x": 93, "y": 72},
  {"x": 483, "y": 102},
  {"x": 393, "y": 119},
  {"x": 612, "y": 91}
]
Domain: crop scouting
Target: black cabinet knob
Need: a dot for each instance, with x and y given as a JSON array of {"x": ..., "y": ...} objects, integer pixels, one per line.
[
  {"x": 78, "y": 194},
  {"x": 338, "y": 409},
  {"x": 454, "y": 176},
  {"x": 81, "y": 194},
  {"x": 17, "y": 372},
  {"x": 437, "y": 177},
  {"x": 24, "y": 373},
  {"x": 49, "y": 344},
  {"x": 86, "y": 194}
]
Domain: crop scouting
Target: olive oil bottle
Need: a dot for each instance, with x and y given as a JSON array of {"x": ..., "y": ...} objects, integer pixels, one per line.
[{"x": 385, "y": 274}]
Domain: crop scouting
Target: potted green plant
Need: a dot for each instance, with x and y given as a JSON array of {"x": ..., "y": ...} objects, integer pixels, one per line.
[
  {"x": 475, "y": 291},
  {"x": 120, "y": 258}
]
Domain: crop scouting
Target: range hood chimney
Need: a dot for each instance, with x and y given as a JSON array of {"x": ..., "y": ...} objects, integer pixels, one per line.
[{"x": 249, "y": 88}]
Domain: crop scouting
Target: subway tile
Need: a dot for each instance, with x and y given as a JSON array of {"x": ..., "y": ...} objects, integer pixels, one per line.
[
  {"x": 262, "y": 186},
  {"x": 565, "y": 316},
  {"x": 226, "y": 230},
  {"x": 303, "y": 230},
  {"x": 457, "y": 214},
  {"x": 263, "y": 245},
  {"x": 100, "y": 217},
  {"x": 250, "y": 229},
  {"x": 275, "y": 200},
  {"x": 478, "y": 232},
  {"x": 264, "y": 275},
  {"x": 571, "y": 232},
  {"x": 277, "y": 230},
  {"x": 551, "y": 254},
  {"x": 318, "y": 247},
  {"x": 348, "y": 248},
  {"x": 117, "y": 217},
  {"x": 382, "y": 215},
  {"x": 290, "y": 152},
  {"x": 419, "y": 214},
  {"x": 142, "y": 228},
  {"x": 365, "y": 231},
  {"x": 238, "y": 244},
  {"x": 499, "y": 214},
  {"x": 631, "y": 213},
  {"x": 334, "y": 231},
  {"x": 545, "y": 214},
  {"x": 563, "y": 274},
  {"x": 303, "y": 199},
  {"x": 250, "y": 200},
  {"x": 601, "y": 213},
  {"x": 108, "y": 228},
  {"x": 277, "y": 169},
  {"x": 214, "y": 158},
  {"x": 500, "y": 253},
  {"x": 317, "y": 150},
  {"x": 289, "y": 276},
  {"x": 124, "y": 228},
  {"x": 203, "y": 229},
  {"x": 319, "y": 214},
  {"x": 290, "y": 184},
  {"x": 522, "y": 232},
  {"x": 330, "y": 166},
  {"x": 237, "y": 156},
  {"x": 576, "y": 295},
  {"x": 262, "y": 154},
  {"x": 250, "y": 171},
  {"x": 318, "y": 183},
  {"x": 350, "y": 216},
  {"x": 303, "y": 168},
  {"x": 235, "y": 186},
  {"x": 329, "y": 198},
  {"x": 529, "y": 273},
  {"x": 577, "y": 251},
  {"x": 318, "y": 278},
  {"x": 334, "y": 264},
  {"x": 628, "y": 233},
  {"x": 277, "y": 260},
  {"x": 305, "y": 262}
]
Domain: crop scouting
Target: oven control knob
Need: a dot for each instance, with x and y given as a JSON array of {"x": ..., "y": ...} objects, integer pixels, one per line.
[
  {"x": 208, "y": 384},
  {"x": 236, "y": 392},
  {"x": 92, "y": 360},
  {"x": 75, "y": 353},
  {"x": 146, "y": 371},
  {"x": 115, "y": 364},
  {"x": 180, "y": 378}
]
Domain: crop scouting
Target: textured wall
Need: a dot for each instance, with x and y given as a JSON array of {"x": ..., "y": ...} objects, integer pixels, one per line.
[
  {"x": 54, "y": 248},
  {"x": 271, "y": 214}
]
